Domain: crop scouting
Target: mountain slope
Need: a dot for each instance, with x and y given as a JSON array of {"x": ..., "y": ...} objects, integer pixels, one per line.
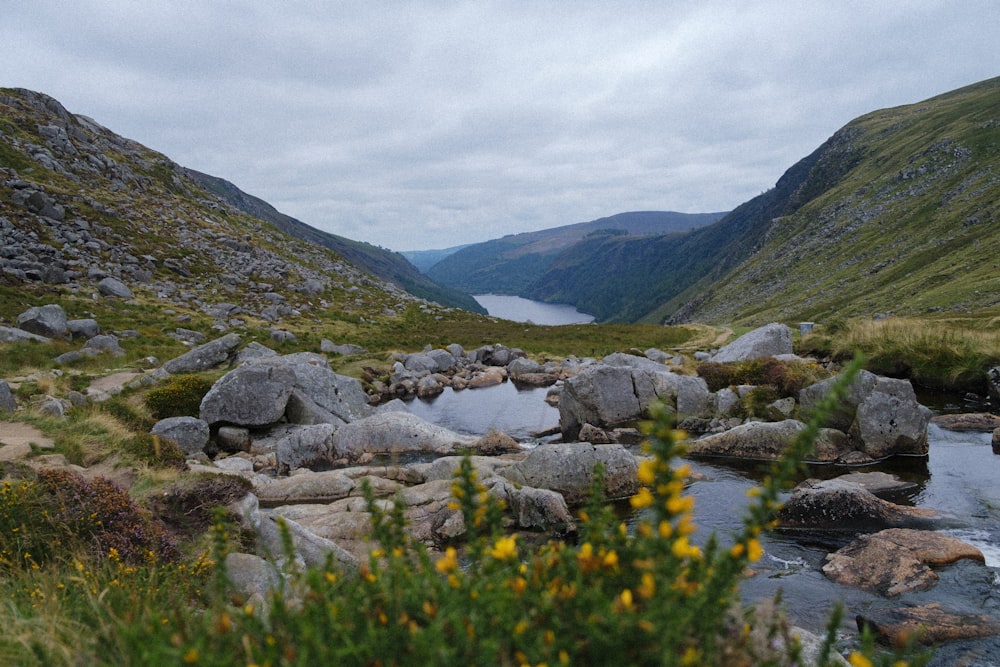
[
  {"x": 511, "y": 264},
  {"x": 900, "y": 213},
  {"x": 385, "y": 264}
]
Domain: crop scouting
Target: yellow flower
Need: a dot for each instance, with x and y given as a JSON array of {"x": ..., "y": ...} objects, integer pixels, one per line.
[
  {"x": 611, "y": 559},
  {"x": 448, "y": 562},
  {"x": 626, "y": 598},
  {"x": 647, "y": 588},
  {"x": 504, "y": 548},
  {"x": 754, "y": 550},
  {"x": 665, "y": 530},
  {"x": 858, "y": 660},
  {"x": 737, "y": 550},
  {"x": 647, "y": 471},
  {"x": 642, "y": 499},
  {"x": 190, "y": 657}
]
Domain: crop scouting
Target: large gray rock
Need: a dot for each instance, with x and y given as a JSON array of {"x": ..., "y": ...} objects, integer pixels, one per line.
[
  {"x": 204, "y": 357},
  {"x": 767, "y": 341},
  {"x": 12, "y": 335},
  {"x": 843, "y": 506},
  {"x": 338, "y": 395},
  {"x": 568, "y": 468},
  {"x": 396, "y": 433},
  {"x": 252, "y": 395},
  {"x": 105, "y": 343},
  {"x": 83, "y": 328},
  {"x": 842, "y": 417},
  {"x": 114, "y": 288},
  {"x": 306, "y": 446},
  {"x": 190, "y": 434},
  {"x": 768, "y": 441},
  {"x": 252, "y": 578},
  {"x": 535, "y": 509},
  {"x": 7, "y": 402},
  {"x": 309, "y": 549},
  {"x": 48, "y": 320}
]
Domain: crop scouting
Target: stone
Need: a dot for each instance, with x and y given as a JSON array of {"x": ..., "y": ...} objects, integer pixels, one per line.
[
  {"x": 768, "y": 441},
  {"x": 189, "y": 433},
  {"x": 837, "y": 505},
  {"x": 395, "y": 433},
  {"x": 105, "y": 343},
  {"x": 83, "y": 328},
  {"x": 890, "y": 421},
  {"x": 767, "y": 341},
  {"x": 204, "y": 357},
  {"x": 306, "y": 446},
  {"x": 113, "y": 287},
  {"x": 984, "y": 422},
  {"x": 930, "y": 624},
  {"x": 536, "y": 509},
  {"x": 251, "y": 395},
  {"x": 7, "y": 401},
  {"x": 568, "y": 469},
  {"x": 601, "y": 395},
  {"x": 233, "y": 439},
  {"x": 309, "y": 549},
  {"x": 12, "y": 335},
  {"x": 896, "y": 561},
  {"x": 252, "y": 578},
  {"x": 346, "y": 349},
  {"x": 48, "y": 320}
]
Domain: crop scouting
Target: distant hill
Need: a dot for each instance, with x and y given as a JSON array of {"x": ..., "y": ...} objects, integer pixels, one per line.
[
  {"x": 425, "y": 259},
  {"x": 510, "y": 265}
]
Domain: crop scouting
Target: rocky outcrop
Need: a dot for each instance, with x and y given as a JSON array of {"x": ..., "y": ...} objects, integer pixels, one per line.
[
  {"x": 768, "y": 341},
  {"x": 568, "y": 468}
]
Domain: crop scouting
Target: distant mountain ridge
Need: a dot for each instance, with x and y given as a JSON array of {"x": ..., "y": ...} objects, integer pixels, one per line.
[{"x": 511, "y": 264}]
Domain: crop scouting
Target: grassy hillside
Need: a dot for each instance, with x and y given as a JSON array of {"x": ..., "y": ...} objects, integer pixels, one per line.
[
  {"x": 510, "y": 265},
  {"x": 901, "y": 215}
]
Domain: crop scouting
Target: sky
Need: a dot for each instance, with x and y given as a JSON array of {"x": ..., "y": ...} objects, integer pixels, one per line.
[{"x": 423, "y": 125}]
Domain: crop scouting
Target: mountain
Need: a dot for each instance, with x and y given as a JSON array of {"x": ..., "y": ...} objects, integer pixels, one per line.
[
  {"x": 425, "y": 259},
  {"x": 78, "y": 202},
  {"x": 898, "y": 212},
  {"x": 511, "y": 264}
]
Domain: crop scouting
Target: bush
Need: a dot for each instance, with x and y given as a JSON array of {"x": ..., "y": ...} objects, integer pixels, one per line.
[
  {"x": 179, "y": 396},
  {"x": 787, "y": 378},
  {"x": 155, "y": 451},
  {"x": 129, "y": 415}
]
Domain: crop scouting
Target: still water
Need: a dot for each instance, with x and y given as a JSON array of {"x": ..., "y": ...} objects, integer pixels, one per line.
[
  {"x": 517, "y": 309},
  {"x": 960, "y": 477}
]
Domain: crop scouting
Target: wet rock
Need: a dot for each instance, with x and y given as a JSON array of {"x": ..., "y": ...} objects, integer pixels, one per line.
[
  {"x": 882, "y": 484},
  {"x": 896, "y": 561},
  {"x": 843, "y": 506},
  {"x": 930, "y": 624},
  {"x": 973, "y": 421},
  {"x": 768, "y": 441}
]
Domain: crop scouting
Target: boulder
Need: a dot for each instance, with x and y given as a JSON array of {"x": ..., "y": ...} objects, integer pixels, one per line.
[
  {"x": 48, "y": 320},
  {"x": 253, "y": 579},
  {"x": 309, "y": 549},
  {"x": 251, "y": 395},
  {"x": 189, "y": 433},
  {"x": 535, "y": 509},
  {"x": 930, "y": 624},
  {"x": 395, "y": 433},
  {"x": 84, "y": 328},
  {"x": 601, "y": 395},
  {"x": 306, "y": 487},
  {"x": 346, "y": 349},
  {"x": 844, "y": 506},
  {"x": 896, "y": 561},
  {"x": 105, "y": 343},
  {"x": 305, "y": 446},
  {"x": 568, "y": 468},
  {"x": 983, "y": 422},
  {"x": 204, "y": 357},
  {"x": 7, "y": 401},
  {"x": 768, "y": 441},
  {"x": 340, "y": 395},
  {"x": 114, "y": 288},
  {"x": 12, "y": 335},
  {"x": 767, "y": 341}
]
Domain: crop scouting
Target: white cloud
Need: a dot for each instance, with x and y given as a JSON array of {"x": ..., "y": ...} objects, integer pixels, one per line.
[{"x": 418, "y": 125}]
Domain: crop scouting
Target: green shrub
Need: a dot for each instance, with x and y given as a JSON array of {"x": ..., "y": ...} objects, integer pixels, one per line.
[
  {"x": 179, "y": 396},
  {"x": 155, "y": 451},
  {"x": 787, "y": 378},
  {"x": 129, "y": 415}
]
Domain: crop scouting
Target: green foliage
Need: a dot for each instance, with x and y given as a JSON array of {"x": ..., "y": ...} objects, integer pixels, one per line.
[
  {"x": 785, "y": 378},
  {"x": 154, "y": 450},
  {"x": 128, "y": 414},
  {"x": 179, "y": 396},
  {"x": 59, "y": 513}
]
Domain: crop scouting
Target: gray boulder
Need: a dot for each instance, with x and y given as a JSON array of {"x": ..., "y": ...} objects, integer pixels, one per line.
[
  {"x": 48, "y": 320},
  {"x": 305, "y": 446},
  {"x": 568, "y": 468},
  {"x": 535, "y": 509},
  {"x": 7, "y": 402},
  {"x": 190, "y": 434},
  {"x": 204, "y": 357},
  {"x": 767, "y": 341},
  {"x": 114, "y": 288},
  {"x": 252, "y": 578},
  {"x": 105, "y": 343},
  {"x": 83, "y": 328},
  {"x": 339, "y": 395},
  {"x": 252, "y": 395},
  {"x": 396, "y": 433},
  {"x": 346, "y": 349},
  {"x": 12, "y": 335},
  {"x": 768, "y": 441},
  {"x": 838, "y": 505}
]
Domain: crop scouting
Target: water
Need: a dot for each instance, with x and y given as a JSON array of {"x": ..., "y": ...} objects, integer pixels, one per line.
[
  {"x": 518, "y": 309},
  {"x": 961, "y": 476}
]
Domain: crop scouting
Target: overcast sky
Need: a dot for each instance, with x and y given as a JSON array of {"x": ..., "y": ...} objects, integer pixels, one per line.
[{"x": 432, "y": 124}]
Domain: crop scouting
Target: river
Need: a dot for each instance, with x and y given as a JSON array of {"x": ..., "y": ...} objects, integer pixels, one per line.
[
  {"x": 961, "y": 476},
  {"x": 518, "y": 309}
]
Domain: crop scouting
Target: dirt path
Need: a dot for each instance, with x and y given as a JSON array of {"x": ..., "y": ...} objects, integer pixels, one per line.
[{"x": 16, "y": 439}]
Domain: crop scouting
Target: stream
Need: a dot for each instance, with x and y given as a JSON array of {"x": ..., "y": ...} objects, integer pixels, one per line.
[{"x": 961, "y": 476}]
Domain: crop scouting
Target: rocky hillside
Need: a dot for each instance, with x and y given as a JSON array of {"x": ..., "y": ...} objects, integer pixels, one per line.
[
  {"x": 899, "y": 212},
  {"x": 512, "y": 264},
  {"x": 79, "y": 203}
]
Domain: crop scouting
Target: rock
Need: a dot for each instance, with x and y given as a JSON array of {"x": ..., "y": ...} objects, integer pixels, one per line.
[
  {"x": 189, "y": 433},
  {"x": 306, "y": 487},
  {"x": 48, "y": 320},
  {"x": 252, "y": 577},
  {"x": 781, "y": 409},
  {"x": 488, "y": 378},
  {"x": 233, "y": 439},
  {"x": 252, "y": 352},
  {"x": 420, "y": 363},
  {"x": 568, "y": 469},
  {"x": 309, "y": 549},
  {"x": 972, "y": 421},
  {"x": 890, "y": 421},
  {"x": 84, "y": 328},
  {"x": 204, "y": 357},
  {"x": 768, "y": 441},
  {"x": 495, "y": 442},
  {"x": 592, "y": 434},
  {"x": 767, "y": 341},
  {"x": 880, "y": 483},
  {"x": 843, "y": 506},
  {"x": 536, "y": 509},
  {"x": 12, "y": 335},
  {"x": 251, "y": 395},
  {"x": 347, "y": 349},
  {"x": 430, "y": 386},
  {"x": 114, "y": 288},
  {"x": 896, "y": 561},
  {"x": 339, "y": 395},
  {"x": 7, "y": 401},
  {"x": 105, "y": 343},
  {"x": 395, "y": 433},
  {"x": 306, "y": 446},
  {"x": 930, "y": 624}
]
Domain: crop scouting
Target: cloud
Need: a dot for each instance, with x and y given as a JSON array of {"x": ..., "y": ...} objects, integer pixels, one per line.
[{"x": 418, "y": 125}]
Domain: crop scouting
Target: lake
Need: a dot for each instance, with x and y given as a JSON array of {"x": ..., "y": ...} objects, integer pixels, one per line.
[{"x": 518, "y": 309}]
